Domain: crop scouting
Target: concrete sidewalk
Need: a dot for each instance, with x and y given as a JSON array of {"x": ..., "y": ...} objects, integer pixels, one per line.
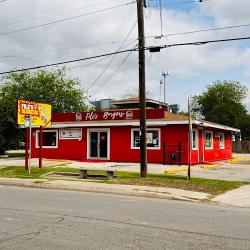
[
  {"x": 239, "y": 197},
  {"x": 88, "y": 186}
]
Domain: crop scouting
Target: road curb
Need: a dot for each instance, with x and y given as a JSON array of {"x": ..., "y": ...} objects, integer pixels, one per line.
[{"x": 140, "y": 191}]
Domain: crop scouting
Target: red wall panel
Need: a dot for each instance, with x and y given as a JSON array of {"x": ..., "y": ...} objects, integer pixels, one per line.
[{"x": 121, "y": 151}]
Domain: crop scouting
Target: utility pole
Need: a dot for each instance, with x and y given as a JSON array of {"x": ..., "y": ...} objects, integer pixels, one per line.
[
  {"x": 142, "y": 94},
  {"x": 165, "y": 73}
]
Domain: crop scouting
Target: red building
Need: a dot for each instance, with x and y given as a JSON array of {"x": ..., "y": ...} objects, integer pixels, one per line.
[{"x": 113, "y": 135}]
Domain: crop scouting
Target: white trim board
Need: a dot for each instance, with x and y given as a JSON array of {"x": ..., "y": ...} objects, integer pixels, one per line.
[
  {"x": 89, "y": 130},
  {"x": 47, "y": 131},
  {"x": 148, "y": 148},
  {"x": 136, "y": 123}
]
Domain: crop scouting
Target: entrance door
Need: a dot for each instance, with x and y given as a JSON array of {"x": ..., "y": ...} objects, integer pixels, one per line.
[{"x": 98, "y": 144}]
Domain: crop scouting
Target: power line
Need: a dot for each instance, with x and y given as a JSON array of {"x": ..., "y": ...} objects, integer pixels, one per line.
[
  {"x": 97, "y": 61},
  {"x": 128, "y": 50},
  {"x": 160, "y": 4},
  {"x": 180, "y": 2},
  {"x": 67, "y": 48},
  {"x": 116, "y": 70},
  {"x": 186, "y": 2},
  {"x": 44, "y": 10},
  {"x": 66, "y": 19},
  {"x": 200, "y": 42},
  {"x": 41, "y": 17},
  {"x": 203, "y": 30},
  {"x": 67, "y": 62},
  {"x": 22, "y": 57},
  {"x": 88, "y": 64},
  {"x": 111, "y": 60}
]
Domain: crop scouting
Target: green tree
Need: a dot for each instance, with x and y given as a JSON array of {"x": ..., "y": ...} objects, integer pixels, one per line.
[
  {"x": 245, "y": 127},
  {"x": 222, "y": 102},
  {"x": 52, "y": 87}
]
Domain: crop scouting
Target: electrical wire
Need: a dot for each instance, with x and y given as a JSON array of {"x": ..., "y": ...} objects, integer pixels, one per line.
[
  {"x": 111, "y": 60},
  {"x": 67, "y": 62},
  {"x": 44, "y": 10},
  {"x": 201, "y": 42},
  {"x": 67, "y": 19},
  {"x": 102, "y": 59},
  {"x": 88, "y": 64},
  {"x": 202, "y": 30},
  {"x": 51, "y": 15},
  {"x": 128, "y": 50},
  {"x": 114, "y": 72},
  {"x": 187, "y": 2},
  {"x": 25, "y": 58},
  {"x": 160, "y": 4},
  {"x": 67, "y": 48}
]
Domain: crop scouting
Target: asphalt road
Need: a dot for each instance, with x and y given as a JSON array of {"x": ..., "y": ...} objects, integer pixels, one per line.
[{"x": 52, "y": 219}]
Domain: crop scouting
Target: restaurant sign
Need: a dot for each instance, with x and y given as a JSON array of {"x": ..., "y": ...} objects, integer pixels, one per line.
[
  {"x": 107, "y": 115},
  {"x": 38, "y": 114}
]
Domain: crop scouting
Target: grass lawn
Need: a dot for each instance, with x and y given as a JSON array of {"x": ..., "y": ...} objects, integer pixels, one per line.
[
  {"x": 36, "y": 173},
  {"x": 214, "y": 187}
]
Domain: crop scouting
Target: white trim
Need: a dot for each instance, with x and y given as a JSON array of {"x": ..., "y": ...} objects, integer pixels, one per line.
[
  {"x": 70, "y": 138},
  {"x": 212, "y": 137},
  {"x": 223, "y": 136},
  {"x": 88, "y": 143},
  {"x": 148, "y": 148},
  {"x": 136, "y": 123},
  {"x": 196, "y": 139},
  {"x": 214, "y": 125},
  {"x": 47, "y": 131}
]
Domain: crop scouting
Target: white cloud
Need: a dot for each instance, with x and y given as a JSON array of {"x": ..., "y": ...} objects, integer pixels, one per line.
[
  {"x": 226, "y": 12},
  {"x": 191, "y": 67}
]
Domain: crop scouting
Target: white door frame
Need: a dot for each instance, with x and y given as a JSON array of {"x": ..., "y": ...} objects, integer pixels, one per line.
[
  {"x": 201, "y": 132},
  {"x": 89, "y": 130}
]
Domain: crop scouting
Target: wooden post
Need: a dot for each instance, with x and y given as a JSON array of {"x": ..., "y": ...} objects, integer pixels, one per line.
[{"x": 142, "y": 94}]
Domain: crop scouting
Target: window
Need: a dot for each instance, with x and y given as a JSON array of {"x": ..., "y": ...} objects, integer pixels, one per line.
[
  {"x": 50, "y": 139},
  {"x": 209, "y": 140},
  {"x": 195, "y": 139},
  {"x": 152, "y": 137},
  {"x": 221, "y": 140}
]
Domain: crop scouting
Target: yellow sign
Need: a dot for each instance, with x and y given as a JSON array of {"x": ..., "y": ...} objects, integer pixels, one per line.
[{"x": 40, "y": 113}]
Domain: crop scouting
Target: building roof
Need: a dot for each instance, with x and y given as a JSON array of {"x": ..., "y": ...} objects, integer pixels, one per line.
[
  {"x": 136, "y": 100},
  {"x": 174, "y": 117}
]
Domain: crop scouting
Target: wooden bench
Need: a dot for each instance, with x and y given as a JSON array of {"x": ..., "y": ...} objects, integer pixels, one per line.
[{"x": 109, "y": 171}]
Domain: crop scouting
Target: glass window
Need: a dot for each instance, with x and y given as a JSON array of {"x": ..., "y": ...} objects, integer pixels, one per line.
[
  {"x": 152, "y": 137},
  {"x": 49, "y": 139},
  {"x": 195, "y": 139},
  {"x": 209, "y": 140},
  {"x": 221, "y": 140}
]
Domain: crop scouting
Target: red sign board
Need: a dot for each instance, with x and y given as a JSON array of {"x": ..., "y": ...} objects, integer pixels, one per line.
[{"x": 107, "y": 115}]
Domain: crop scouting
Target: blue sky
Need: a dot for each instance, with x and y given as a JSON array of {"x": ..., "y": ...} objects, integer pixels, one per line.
[
  {"x": 204, "y": 65},
  {"x": 191, "y": 68}
]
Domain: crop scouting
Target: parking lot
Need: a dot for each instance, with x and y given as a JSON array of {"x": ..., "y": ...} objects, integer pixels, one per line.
[{"x": 237, "y": 169}]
